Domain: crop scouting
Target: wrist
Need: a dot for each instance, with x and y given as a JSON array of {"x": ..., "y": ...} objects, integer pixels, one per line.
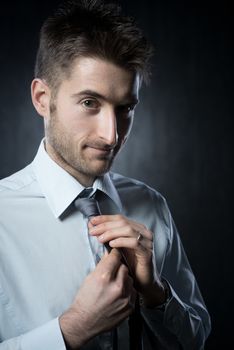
[
  {"x": 74, "y": 334},
  {"x": 168, "y": 293},
  {"x": 156, "y": 296}
]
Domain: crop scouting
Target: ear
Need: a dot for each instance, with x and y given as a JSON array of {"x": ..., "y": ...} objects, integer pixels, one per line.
[{"x": 40, "y": 93}]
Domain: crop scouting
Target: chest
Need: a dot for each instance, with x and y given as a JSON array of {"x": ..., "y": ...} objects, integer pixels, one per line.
[{"x": 43, "y": 262}]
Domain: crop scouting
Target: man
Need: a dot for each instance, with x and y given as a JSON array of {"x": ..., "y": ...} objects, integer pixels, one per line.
[{"x": 59, "y": 288}]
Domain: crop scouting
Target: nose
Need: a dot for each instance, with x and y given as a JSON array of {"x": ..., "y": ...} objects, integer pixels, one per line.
[{"x": 107, "y": 127}]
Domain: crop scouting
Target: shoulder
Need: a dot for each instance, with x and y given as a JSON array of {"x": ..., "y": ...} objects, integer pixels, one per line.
[
  {"x": 139, "y": 193},
  {"x": 134, "y": 186},
  {"x": 17, "y": 181}
]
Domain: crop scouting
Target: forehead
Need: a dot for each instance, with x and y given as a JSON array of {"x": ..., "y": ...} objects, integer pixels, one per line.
[{"x": 104, "y": 77}]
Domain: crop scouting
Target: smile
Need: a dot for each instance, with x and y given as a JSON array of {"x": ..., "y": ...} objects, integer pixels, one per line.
[{"x": 101, "y": 150}]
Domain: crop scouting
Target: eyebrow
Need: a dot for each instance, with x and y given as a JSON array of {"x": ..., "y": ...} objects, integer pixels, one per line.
[{"x": 93, "y": 93}]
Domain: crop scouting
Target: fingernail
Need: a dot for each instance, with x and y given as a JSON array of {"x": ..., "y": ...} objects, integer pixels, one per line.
[{"x": 92, "y": 230}]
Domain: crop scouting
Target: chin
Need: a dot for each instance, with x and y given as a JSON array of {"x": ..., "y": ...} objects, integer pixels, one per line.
[
  {"x": 99, "y": 171},
  {"x": 100, "y": 166}
]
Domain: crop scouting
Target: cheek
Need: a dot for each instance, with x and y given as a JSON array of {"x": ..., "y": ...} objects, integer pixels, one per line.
[
  {"x": 73, "y": 123},
  {"x": 124, "y": 128}
]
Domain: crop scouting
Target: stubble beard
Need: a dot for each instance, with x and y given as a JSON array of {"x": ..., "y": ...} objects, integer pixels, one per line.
[{"x": 70, "y": 154}]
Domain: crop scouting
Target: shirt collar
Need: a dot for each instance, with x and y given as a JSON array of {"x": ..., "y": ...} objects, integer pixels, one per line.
[{"x": 60, "y": 188}]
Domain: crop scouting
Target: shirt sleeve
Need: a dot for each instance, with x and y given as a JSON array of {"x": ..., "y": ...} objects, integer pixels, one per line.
[
  {"x": 185, "y": 322},
  {"x": 47, "y": 336}
]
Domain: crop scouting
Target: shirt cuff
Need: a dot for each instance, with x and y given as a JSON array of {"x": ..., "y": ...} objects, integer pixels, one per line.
[{"x": 47, "y": 336}]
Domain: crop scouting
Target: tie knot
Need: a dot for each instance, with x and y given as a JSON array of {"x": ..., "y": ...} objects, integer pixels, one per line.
[
  {"x": 87, "y": 206},
  {"x": 87, "y": 192}
]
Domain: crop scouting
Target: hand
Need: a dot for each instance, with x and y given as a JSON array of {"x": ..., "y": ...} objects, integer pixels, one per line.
[
  {"x": 105, "y": 299},
  {"x": 136, "y": 242}
]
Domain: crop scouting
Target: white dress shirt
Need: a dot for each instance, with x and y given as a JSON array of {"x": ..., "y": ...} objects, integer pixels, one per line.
[{"x": 46, "y": 252}]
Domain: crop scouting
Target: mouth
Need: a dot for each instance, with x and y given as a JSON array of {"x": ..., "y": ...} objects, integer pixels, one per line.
[{"x": 101, "y": 151}]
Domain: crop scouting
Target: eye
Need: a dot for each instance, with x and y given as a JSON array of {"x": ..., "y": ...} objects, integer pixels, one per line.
[
  {"x": 90, "y": 103},
  {"x": 126, "y": 109},
  {"x": 130, "y": 108}
]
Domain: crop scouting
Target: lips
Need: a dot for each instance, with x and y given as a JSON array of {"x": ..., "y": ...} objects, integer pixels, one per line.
[
  {"x": 100, "y": 147},
  {"x": 101, "y": 151}
]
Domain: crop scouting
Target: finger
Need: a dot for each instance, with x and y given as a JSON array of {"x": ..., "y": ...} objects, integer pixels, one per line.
[
  {"x": 105, "y": 218},
  {"x": 132, "y": 243},
  {"x": 118, "y": 239},
  {"x": 124, "y": 281},
  {"x": 123, "y": 313},
  {"x": 106, "y": 232},
  {"x": 122, "y": 274},
  {"x": 117, "y": 232},
  {"x": 141, "y": 229},
  {"x": 90, "y": 225},
  {"x": 106, "y": 226},
  {"x": 109, "y": 264},
  {"x": 126, "y": 284},
  {"x": 123, "y": 227}
]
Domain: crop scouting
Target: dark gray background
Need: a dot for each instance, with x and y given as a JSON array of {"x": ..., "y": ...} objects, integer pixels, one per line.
[{"x": 181, "y": 142}]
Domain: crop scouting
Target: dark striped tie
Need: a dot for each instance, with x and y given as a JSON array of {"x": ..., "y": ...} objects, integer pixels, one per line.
[{"x": 89, "y": 207}]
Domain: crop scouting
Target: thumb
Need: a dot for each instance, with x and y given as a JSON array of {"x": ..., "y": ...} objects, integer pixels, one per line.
[
  {"x": 110, "y": 262},
  {"x": 114, "y": 252}
]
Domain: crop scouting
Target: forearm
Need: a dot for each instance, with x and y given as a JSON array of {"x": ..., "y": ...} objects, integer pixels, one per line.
[
  {"x": 73, "y": 329},
  {"x": 178, "y": 326},
  {"x": 185, "y": 320}
]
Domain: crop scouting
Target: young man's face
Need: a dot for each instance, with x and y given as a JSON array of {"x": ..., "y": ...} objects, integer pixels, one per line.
[{"x": 92, "y": 117}]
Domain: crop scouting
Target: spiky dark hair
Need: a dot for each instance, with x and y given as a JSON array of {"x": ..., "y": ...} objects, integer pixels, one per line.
[{"x": 90, "y": 28}]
